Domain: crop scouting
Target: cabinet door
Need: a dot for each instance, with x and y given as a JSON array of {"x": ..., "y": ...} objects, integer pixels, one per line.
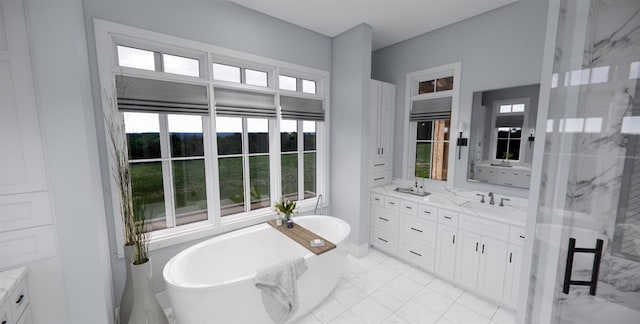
[
  {"x": 512, "y": 276},
  {"x": 493, "y": 262},
  {"x": 468, "y": 259},
  {"x": 446, "y": 251},
  {"x": 386, "y": 120},
  {"x": 374, "y": 119},
  {"x": 21, "y": 157}
]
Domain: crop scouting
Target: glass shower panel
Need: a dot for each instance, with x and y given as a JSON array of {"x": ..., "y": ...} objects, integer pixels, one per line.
[{"x": 590, "y": 186}]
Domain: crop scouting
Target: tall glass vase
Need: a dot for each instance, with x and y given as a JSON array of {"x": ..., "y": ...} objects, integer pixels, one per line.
[
  {"x": 126, "y": 301},
  {"x": 146, "y": 309}
]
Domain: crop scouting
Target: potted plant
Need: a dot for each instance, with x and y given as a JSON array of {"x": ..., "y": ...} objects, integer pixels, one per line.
[
  {"x": 286, "y": 207},
  {"x": 138, "y": 303}
]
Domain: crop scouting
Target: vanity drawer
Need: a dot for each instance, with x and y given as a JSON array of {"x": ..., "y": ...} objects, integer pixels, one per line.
[
  {"x": 384, "y": 241},
  {"x": 19, "y": 298},
  {"x": 5, "y": 311},
  {"x": 428, "y": 212},
  {"x": 391, "y": 203},
  {"x": 516, "y": 235},
  {"x": 420, "y": 231},
  {"x": 379, "y": 165},
  {"x": 423, "y": 257},
  {"x": 447, "y": 217},
  {"x": 379, "y": 178},
  {"x": 484, "y": 227},
  {"x": 377, "y": 199},
  {"x": 384, "y": 219},
  {"x": 409, "y": 207}
]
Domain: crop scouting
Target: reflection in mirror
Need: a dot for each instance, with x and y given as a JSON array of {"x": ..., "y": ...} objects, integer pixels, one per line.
[{"x": 502, "y": 134}]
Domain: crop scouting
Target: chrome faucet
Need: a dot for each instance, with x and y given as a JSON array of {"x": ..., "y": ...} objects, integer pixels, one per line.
[{"x": 491, "y": 202}]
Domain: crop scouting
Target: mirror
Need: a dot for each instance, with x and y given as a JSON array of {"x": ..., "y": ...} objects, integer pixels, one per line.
[{"x": 501, "y": 136}]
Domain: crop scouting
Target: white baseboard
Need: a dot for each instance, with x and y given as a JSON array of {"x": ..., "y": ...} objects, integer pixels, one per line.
[{"x": 358, "y": 251}]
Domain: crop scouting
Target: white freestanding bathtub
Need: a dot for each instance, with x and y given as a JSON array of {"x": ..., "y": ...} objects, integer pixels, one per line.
[{"x": 212, "y": 281}]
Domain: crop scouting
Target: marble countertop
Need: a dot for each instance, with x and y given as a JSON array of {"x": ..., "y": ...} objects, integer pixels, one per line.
[
  {"x": 512, "y": 167},
  {"x": 514, "y": 212}
]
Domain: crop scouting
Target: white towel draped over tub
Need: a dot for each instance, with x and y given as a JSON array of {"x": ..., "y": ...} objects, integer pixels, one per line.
[{"x": 278, "y": 283}]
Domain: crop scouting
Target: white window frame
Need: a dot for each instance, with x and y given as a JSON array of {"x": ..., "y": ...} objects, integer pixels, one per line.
[
  {"x": 109, "y": 34},
  {"x": 494, "y": 130},
  {"x": 410, "y": 133}
]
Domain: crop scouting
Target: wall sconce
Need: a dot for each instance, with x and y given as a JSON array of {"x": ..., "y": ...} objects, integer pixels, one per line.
[
  {"x": 532, "y": 136},
  {"x": 461, "y": 141}
]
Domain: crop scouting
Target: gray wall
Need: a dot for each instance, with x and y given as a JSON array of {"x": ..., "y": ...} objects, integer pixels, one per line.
[
  {"x": 488, "y": 99},
  {"x": 350, "y": 94},
  {"x": 498, "y": 49},
  {"x": 220, "y": 23},
  {"x": 83, "y": 291}
]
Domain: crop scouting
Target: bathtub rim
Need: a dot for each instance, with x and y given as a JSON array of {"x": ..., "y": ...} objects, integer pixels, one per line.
[{"x": 240, "y": 280}]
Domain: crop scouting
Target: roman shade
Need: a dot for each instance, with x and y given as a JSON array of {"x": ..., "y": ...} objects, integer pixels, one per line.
[
  {"x": 301, "y": 108},
  {"x": 430, "y": 109},
  {"x": 243, "y": 103},
  {"x": 149, "y": 95},
  {"x": 509, "y": 120}
]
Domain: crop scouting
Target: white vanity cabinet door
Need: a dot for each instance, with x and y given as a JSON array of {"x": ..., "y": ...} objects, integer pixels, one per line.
[
  {"x": 468, "y": 252},
  {"x": 512, "y": 276},
  {"x": 374, "y": 119},
  {"x": 386, "y": 120},
  {"x": 418, "y": 230},
  {"x": 491, "y": 273},
  {"x": 5, "y": 312},
  {"x": 417, "y": 254},
  {"x": 384, "y": 219},
  {"x": 385, "y": 241},
  {"x": 446, "y": 251}
]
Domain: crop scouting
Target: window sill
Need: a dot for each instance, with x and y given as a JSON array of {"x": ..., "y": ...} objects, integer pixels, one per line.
[{"x": 207, "y": 230}]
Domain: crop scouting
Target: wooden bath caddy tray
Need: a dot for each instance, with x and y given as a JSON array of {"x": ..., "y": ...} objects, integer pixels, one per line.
[{"x": 303, "y": 236}]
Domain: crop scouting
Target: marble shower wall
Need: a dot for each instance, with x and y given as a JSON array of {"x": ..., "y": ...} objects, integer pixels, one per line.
[{"x": 592, "y": 134}]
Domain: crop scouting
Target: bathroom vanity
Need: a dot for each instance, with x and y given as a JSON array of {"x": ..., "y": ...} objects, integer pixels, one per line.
[
  {"x": 14, "y": 297},
  {"x": 474, "y": 245}
]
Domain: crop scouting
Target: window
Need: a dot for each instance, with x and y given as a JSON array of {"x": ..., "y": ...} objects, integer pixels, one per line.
[
  {"x": 297, "y": 84},
  {"x": 237, "y": 74},
  {"x": 149, "y": 60},
  {"x": 167, "y": 177},
  {"x": 432, "y": 149},
  {"x": 243, "y": 164},
  {"x": 435, "y": 85},
  {"x": 508, "y": 120},
  {"x": 298, "y": 159},
  {"x": 431, "y": 109},
  {"x": 288, "y": 83},
  {"x": 212, "y": 153}
]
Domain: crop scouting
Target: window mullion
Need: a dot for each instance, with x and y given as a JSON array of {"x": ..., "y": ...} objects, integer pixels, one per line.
[
  {"x": 300, "y": 160},
  {"x": 245, "y": 166},
  {"x": 274, "y": 159},
  {"x": 167, "y": 172},
  {"x": 210, "y": 164}
]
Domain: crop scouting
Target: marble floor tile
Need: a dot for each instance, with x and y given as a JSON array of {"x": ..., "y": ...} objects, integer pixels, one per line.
[
  {"x": 445, "y": 289},
  {"x": 390, "y": 297},
  {"x": 458, "y": 314},
  {"x": 394, "y": 319},
  {"x": 347, "y": 317},
  {"x": 417, "y": 311},
  {"x": 418, "y": 275},
  {"x": 308, "y": 319},
  {"x": 477, "y": 304},
  {"x": 348, "y": 295},
  {"x": 406, "y": 284},
  {"x": 329, "y": 309},
  {"x": 395, "y": 264},
  {"x": 367, "y": 282},
  {"x": 504, "y": 316},
  {"x": 371, "y": 311},
  {"x": 384, "y": 273},
  {"x": 378, "y": 256}
]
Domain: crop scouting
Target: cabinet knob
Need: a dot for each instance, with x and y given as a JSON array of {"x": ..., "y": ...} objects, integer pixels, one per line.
[
  {"x": 19, "y": 301},
  {"x": 417, "y": 230}
]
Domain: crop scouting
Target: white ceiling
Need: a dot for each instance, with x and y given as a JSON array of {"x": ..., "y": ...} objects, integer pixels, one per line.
[{"x": 392, "y": 20}]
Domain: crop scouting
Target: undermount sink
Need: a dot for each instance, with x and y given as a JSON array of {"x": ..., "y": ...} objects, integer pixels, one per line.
[
  {"x": 504, "y": 165},
  {"x": 411, "y": 192}
]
